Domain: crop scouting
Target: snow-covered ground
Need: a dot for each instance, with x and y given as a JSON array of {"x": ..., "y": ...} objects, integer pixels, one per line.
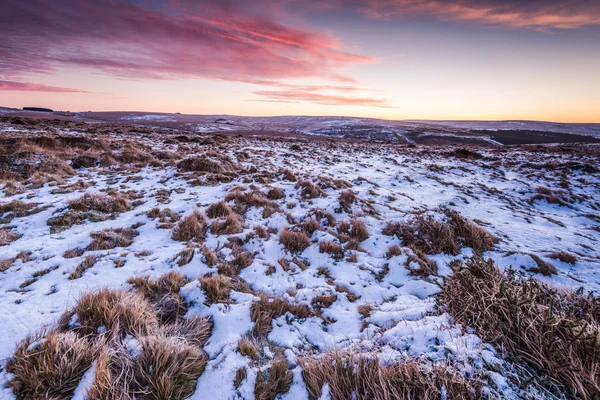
[{"x": 390, "y": 182}]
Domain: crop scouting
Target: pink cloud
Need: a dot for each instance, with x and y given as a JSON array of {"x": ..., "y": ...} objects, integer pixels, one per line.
[
  {"x": 535, "y": 15},
  {"x": 219, "y": 40},
  {"x": 312, "y": 96},
  {"x": 34, "y": 87}
]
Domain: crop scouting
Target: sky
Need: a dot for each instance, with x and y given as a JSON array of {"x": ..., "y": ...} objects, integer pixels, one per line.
[{"x": 391, "y": 59}]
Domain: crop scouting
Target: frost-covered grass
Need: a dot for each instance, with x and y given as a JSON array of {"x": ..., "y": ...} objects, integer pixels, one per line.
[{"x": 299, "y": 253}]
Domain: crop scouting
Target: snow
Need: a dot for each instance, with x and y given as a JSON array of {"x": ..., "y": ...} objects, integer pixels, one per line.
[{"x": 403, "y": 320}]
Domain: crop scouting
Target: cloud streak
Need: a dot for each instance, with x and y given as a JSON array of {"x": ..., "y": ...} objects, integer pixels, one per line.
[
  {"x": 538, "y": 15},
  {"x": 313, "y": 96},
  {"x": 34, "y": 87},
  {"x": 170, "y": 40}
]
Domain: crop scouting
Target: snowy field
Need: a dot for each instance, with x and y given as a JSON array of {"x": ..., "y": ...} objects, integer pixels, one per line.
[{"x": 351, "y": 287}]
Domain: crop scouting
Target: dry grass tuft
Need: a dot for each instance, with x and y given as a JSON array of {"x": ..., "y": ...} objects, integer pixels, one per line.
[
  {"x": 254, "y": 198},
  {"x": 163, "y": 293},
  {"x": 275, "y": 193},
  {"x": 111, "y": 238},
  {"x": 335, "y": 250},
  {"x": 553, "y": 331},
  {"x": 209, "y": 257},
  {"x": 166, "y": 217},
  {"x": 84, "y": 266},
  {"x": 72, "y": 253},
  {"x": 240, "y": 375},
  {"x": 419, "y": 264},
  {"x": 324, "y": 301},
  {"x": 269, "y": 308},
  {"x": 355, "y": 229},
  {"x": 192, "y": 227},
  {"x": 230, "y": 226},
  {"x": 185, "y": 256},
  {"x": 207, "y": 163},
  {"x": 564, "y": 257},
  {"x": 100, "y": 203},
  {"x": 117, "y": 313},
  {"x": 165, "y": 368},
  {"x": 309, "y": 226},
  {"x": 273, "y": 381},
  {"x": 247, "y": 348},
  {"x": 217, "y": 288},
  {"x": 309, "y": 190},
  {"x": 92, "y": 207},
  {"x": 294, "y": 242},
  {"x": 6, "y": 264},
  {"x": 17, "y": 209},
  {"x": 346, "y": 199},
  {"x": 7, "y": 237},
  {"x": 543, "y": 267},
  {"x": 432, "y": 235},
  {"x": 218, "y": 210},
  {"x": 50, "y": 365},
  {"x": 358, "y": 377},
  {"x": 195, "y": 331},
  {"x": 393, "y": 251},
  {"x": 261, "y": 232},
  {"x": 13, "y": 188}
]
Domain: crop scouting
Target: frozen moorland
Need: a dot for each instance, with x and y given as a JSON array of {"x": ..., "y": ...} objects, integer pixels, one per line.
[{"x": 291, "y": 258}]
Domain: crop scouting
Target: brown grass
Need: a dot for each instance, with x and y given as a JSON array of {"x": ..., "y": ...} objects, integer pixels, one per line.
[
  {"x": 240, "y": 375},
  {"x": 229, "y": 226},
  {"x": 309, "y": 226},
  {"x": 354, "y": 376},
  {"x": 6, "y": 264},
  {"x": 13, "y": 188},
  {"x": 218, "y": 210},
  {"x": 424, "y": 265},
  {"x": 335, "y": 250},
  {"x": 191, "y": 227},
  {"x": 7, "y": 237},
  {"x": 163, "y": 293},
  {"x": 273, "y": 381},
  {"x": 553, "y": 331},
  {"x": 543, "y": 267},
  {"x": 72, "y": 253},
  {"x": 275, "y": 193},
  {"x": 294, "y": 242},
  {"x": 120, "y": 313},
  {"x": 100, "y": 203},
  {"x": 309, "y": 190},
  {"x": 564, "y": 257},
  {"x": 111, "y": 238},
  {"x": 247, "y": 348},
  {"x": 433, "y": 236},
  {"x": 346, "y": 199},
  {"x": 195, "y": 330},
  {"x": 210, "y": 258},
  {"x": 166, "y": 368},
  {"x": 50, "y": 365},
  {"x": 166, "y": 217},
  {"x": 269, "y": 308},
  {"x": 84, "y": 266},
  {"x": 17, "y": 209},
  {"x": 324, "y": 301},
  {"x": 216, "y": 288},
  {"x": 185, "y": 256},
  {"x": 393, "y": 251},
  {"x": 355, "y": 229},
  {"x": 92, "y": 207},
  {"x": 254, "y": 198},
  {"x": 212, "y": 164},
  {"x": 261, "y": 232}
]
